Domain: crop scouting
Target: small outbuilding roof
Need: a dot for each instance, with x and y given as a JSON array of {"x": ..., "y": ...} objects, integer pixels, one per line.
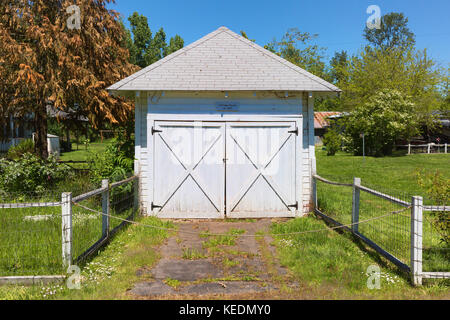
[
  {"x": 321, "y": 118},
  {"x": 223, "y": 61}
]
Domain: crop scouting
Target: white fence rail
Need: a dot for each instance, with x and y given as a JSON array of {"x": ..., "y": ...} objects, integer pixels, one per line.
[
  {"x": 414, "y": 267},
  {"x": 425, "y": 148}
]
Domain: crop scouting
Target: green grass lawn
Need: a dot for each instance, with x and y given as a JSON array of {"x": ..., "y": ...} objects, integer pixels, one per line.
[
  {"x": 396, "y": 174},
  {"x": 30, "y": 238},
  {"x": 339, "y": 261},
  {"x": 110, "y": 273},
  {"x": 333, "y": 265},
  {"x": 83, "y": 153}
]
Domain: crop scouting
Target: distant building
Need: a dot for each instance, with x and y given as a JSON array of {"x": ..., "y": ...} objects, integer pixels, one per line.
[
  {"x": 16, "y": 130},
  {"x": 322, "y": 123},
  {"x": 21, "y": 128}
]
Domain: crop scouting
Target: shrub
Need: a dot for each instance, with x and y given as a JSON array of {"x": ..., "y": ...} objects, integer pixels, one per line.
[
  {"x": 16, "y": 152},
  {"x": 332, "y": 140},
  {"x": 437, "y": 188},
  {"x": 113, "y": 164},
  {"x": 31, "y": 174},
  {"x": 385, "y": 118}
]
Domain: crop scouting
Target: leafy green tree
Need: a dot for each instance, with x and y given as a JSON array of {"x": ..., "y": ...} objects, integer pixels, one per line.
[
  {"x": 339, "y": 64},
  {"x": 337, "y": 74},
  {"x": 445, "y": 94},
  {"x": 176, "y": 43},
  {"x": 157, "y": 48},
  {"x": 142, "y": 37},
  {"x": 393, "y": 33},
  {"x": 145, "y": 49},
  {"x": 129, "y": 44},
  {"x": 391, "y": 61},
  {"x": 297, "y": 47},
  {"x": 244, "y": 34},
  {"x": 410, "y": 72},
  {"x": 386, "y": 117}
]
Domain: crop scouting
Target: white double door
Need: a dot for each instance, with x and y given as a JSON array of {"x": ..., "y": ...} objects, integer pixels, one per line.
[{"x": 218, "y": 169}]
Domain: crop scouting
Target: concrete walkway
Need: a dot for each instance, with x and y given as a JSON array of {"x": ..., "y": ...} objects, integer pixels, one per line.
[{"x": 197, "y": 265}]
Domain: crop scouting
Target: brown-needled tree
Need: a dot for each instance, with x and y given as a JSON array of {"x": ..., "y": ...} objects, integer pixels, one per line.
[{"x": 55, "y": 53}]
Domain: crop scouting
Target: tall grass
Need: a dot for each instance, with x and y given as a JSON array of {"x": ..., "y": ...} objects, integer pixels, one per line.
[
  {"x": 31, "y": 238},
  {"x": 395, "y": 176}
]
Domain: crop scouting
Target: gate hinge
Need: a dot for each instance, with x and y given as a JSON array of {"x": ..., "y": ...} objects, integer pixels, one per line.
[
  {"x": 153, "y": 206},
  {"x": 155, "y": 131},
  {"x": 294, "y": 131},
  {"x": 294, "y": 205}
]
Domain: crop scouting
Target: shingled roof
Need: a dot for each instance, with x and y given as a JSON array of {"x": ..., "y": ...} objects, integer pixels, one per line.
[{"x": 223, "y": 61}]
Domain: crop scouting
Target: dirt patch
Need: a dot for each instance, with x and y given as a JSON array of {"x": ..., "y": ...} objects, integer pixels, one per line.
[
  {"x": 196, "y": 263},
  {"x": 186, "y": 270}
]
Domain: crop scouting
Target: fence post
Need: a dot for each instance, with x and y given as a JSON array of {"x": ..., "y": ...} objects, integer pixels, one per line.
[
  {"x": 416, "y": 240},
  {"x": 314, "y": 184},
  {"x": 355, "y": 204},
  {"x": 136, "y": 195},
  {"x": 429, "y": 147},
  {"x": 445, "y": 147},
  {"x": 409, "y": 148},
  {"x": 105, "y": 209},
  {"x": 66, "y": 224}
]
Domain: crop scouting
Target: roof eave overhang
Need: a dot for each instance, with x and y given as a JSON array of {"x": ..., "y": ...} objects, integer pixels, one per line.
[{"x": 131, "y": 92}]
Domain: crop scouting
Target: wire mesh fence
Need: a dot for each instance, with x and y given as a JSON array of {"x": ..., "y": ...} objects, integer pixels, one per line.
[
  {"x": 335, "y": 200},
  {"x": 383, "y": 219},
  {"x": 436, "y": 240},
  {"x": 124, "y": 203},
  {"x": 32, "y": 232},
  {"x": 86, "y": 225},
  {"x": 102, "y": 214},
  {"x": 392, "y": 233}
]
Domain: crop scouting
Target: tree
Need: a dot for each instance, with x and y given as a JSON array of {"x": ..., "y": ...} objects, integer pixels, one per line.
[
  {"x": 336, "y": 74},
  {"x": 393, "y": 33},
  {"x": 145, "y": 48},
  {"x": 332, "y": 140},
  {"x": 142, "y": 37},
  {"x": 176, "y": 43},
  {"x": 297, "y": 47},
  {"x": 43, "y": 61},
  {"x": 411, "y": 72},
  {"x": 339, "y": 64},
  {"x": 157, "y": 48},
  {"x": 385, "y": 117},
  {"x": 244, "y": 34},
  {"x": 445, "y": 95},
  {"x": 129, "y": 44}
]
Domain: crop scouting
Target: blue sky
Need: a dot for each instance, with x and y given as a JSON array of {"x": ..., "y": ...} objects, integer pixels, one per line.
[{"x": 339, "y": 23}]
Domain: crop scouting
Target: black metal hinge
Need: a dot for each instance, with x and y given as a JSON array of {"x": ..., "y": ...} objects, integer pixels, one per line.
[
  {"x": 294, "y": 205},
  {"x": 153, "y": 206},
  {"x": 294, "y": 131},
  {"x": 155, "y": 131}
]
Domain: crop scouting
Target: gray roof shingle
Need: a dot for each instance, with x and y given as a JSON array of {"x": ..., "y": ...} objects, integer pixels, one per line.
[{"x": 223, "y": 61}]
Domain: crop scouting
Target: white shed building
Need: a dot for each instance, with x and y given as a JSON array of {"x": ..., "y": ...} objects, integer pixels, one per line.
[{"x": 224, "y": 128}]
